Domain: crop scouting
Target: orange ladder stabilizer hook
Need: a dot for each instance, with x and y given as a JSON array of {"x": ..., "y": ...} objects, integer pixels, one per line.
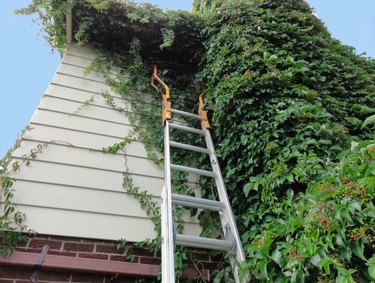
[
  {"x": 166, "y": 110},
  {"x": 203, "y": 113}
]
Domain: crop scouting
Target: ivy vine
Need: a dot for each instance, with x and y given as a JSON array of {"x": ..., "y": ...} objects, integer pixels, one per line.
[
  {"x": 131, "y": 83},
  {"x": 12, "y": 227}
]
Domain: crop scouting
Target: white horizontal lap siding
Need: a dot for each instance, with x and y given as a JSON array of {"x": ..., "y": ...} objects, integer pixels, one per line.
[
  {"x": 82, "y": 123},
  {"x": 77, "y": 71},
  {"x": 65, "y": 198},
  {"x": 74, "y": 176},
  {"x": 68, "y": 93},
  {"x": 86, "y": 225},
  {"x": 72, "y": 188},
  {"x": 68, "y": 155},
  {"x": 75, "y": 66},
  {"x": 96, "y": 226},
  {"x": 59, "y": 136},
  {"x": 75, "y": 108},
  {"x": 77, "y": 61},
  {"x": 83, "y": 84},
  {"x": 85, "y": 52}
]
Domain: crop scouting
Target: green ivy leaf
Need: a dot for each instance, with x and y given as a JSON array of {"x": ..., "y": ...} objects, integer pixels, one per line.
[
  {"x": 371, "y": 267},
  {"x": 315, "y": 260},
  {"x": 298, "y": 276},
  {"x": 266, "y": 247},
  {"x": 345, "y": 275},
  {"x": 276, "y": 256},
  {"x": 261, "y": 268},
  {"x": 369, "y": 120},
  {"x": 253, "y": 186},
  {"x": 344, "y": 279},
  {"x": 358, "y": 249},
  {"x": 325, "y": 264}
]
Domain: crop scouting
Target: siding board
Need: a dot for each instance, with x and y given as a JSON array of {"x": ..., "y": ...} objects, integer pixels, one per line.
[
  {"x": 76, "y": 71},
  {"x": 82, "y": 123},
  {"x": 58, "y": 173},
  {"x": 91, "y": 141},
  {"x": 81, "y": 96},
  {"x": 86, "y": 225},
  {"x": 98, "y": 160},
  {"x": 77, "y": 61},
  {"x": 79, "y": 156},
  {"x": 68, "y": 136},
  {"x": 85, "y": 52},
  {"x": 93, "y": 225},
  {"x": 72, "y": 108},
  {"x": 69, "y": 198},
  {"x": 83, "y": 84}
]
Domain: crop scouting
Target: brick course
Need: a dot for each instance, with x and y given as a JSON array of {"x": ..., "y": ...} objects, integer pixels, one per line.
[
  {"x": 91, "y": 249},
  {"x": 93, "y": 255},
  {"x": 108, "y": 249},
  {"x": 51, "y": 276},
  {"x": 14, "y": 273},
  {"x": 123, "y": 258},
  {"x": 39, "y": 244},
  {"x": 78, "y": 247}
]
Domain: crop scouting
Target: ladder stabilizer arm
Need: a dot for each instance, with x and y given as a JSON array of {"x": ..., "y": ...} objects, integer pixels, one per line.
[
  {"x": 203, "y": 113},
  {"x": 166, "y": 94}
]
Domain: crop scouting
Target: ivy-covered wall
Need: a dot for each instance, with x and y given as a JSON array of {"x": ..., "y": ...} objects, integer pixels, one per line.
[
  {"x": 286, "y": 100},
  {"x": 288, "y": 105}
]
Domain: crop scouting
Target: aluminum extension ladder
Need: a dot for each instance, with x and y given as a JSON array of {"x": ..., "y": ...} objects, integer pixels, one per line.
[{"x": 231, "y": 242}]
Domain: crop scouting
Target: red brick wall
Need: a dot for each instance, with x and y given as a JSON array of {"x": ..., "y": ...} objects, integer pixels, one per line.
[{"x": 93, "y": 249}]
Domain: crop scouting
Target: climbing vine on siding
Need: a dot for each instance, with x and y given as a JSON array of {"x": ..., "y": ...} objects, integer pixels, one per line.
[
  {"x": 144, "y": 114},
  {"x": 12, "y": 221}
]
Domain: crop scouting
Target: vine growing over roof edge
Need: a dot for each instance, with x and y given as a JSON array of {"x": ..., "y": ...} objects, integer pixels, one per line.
[{"x": 132, "y": 83}]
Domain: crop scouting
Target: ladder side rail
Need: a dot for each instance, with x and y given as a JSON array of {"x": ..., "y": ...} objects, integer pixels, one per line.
[
  {"x": 227, "y": 217},
  {"x": 164, "y": 231},
  {"x": 168, "y": 272}
]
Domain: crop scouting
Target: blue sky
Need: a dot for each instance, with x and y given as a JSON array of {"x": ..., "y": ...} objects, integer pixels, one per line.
[{"x": 27, "y": 64}]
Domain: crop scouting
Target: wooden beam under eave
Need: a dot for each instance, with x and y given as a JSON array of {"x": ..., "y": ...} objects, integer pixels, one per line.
[{"x": 69, "y": 27}]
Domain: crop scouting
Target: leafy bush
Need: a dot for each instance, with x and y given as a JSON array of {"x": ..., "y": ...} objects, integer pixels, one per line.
[{"x": 325, "y": 233}]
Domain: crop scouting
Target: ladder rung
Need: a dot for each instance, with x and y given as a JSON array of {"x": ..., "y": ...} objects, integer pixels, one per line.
[
  {"x": 189, "y": 147},
  {"x": 205, "y": 243},
  {"x": 187, "y": 129},
  {"x": 193, "y": 170},
  {"x": 187, "y": 114},
  {"x": 197, "y": 202}
]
